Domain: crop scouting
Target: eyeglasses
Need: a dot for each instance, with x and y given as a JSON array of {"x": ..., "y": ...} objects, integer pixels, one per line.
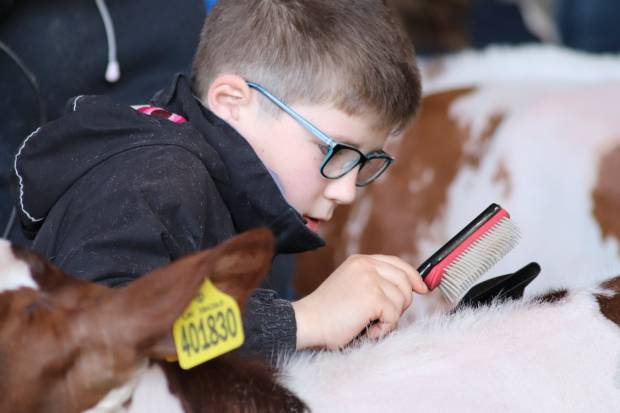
[{"x": 340, "y": 158}]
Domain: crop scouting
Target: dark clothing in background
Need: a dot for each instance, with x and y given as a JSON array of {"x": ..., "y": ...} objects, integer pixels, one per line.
[
  {"x": 63, "y": 43},
  {"x": 497, "y": 22},
  {"x": 589, "y": 25},
  {"x": 5, "y": 5},
  {"x": 112, "y": 194}
]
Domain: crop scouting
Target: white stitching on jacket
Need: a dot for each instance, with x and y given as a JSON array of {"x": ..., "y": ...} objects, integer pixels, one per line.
[
  {"x": 21, "y": 180},
  {"x": 75, "y": 102}
]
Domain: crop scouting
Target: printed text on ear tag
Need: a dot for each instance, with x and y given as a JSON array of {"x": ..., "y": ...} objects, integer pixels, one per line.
[{"x": 210, "y": 326}]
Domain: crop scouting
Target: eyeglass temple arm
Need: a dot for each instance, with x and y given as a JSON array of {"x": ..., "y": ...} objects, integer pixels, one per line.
[{"x": 316, "y": 131}]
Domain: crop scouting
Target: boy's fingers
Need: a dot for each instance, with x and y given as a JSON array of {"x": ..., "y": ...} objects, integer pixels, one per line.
[
  {"x": 415, "y": 280},
  {"x": 399, "y": 298},
  {"x": 387, "y": 313},
  {"x": 381, "y": 327},
  {"x": 395, "y": 276},
  {"x": 378, "y": 330}
]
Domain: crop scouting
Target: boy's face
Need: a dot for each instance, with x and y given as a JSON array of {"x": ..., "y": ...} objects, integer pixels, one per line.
[
  {"x": 294, "y": 155},
  {"x": 290, "y": 151}
]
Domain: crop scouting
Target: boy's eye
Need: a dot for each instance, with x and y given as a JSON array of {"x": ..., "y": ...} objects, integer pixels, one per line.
[{"x": 323, "y": 148}]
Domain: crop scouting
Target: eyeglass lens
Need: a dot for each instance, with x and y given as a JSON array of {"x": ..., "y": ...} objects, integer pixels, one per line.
[
  {"x": 345, "y": 159},
  {"x": 371, "y": 170}
]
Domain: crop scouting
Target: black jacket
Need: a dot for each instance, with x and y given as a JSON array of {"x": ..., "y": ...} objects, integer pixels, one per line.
[
  {"x": 63, "y": 45},
  {"x": 112, "y": 193}
]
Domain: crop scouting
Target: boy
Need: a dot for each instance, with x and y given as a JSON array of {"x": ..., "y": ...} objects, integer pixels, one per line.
[{"x": 112, "y": 193}]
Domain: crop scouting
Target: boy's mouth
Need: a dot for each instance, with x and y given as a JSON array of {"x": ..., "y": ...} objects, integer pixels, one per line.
[{"x": 312, "y": 223}]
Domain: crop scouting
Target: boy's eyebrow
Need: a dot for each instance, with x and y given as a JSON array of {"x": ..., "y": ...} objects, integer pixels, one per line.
[
  {"x": 344, "y": 139},
  {"x": 348, "y": 141}
]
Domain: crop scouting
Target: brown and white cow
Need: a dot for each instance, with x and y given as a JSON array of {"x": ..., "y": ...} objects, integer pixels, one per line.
[
  {"x": 555, "y": 353},
  {"x": 70, "y": 346},
  {"x": 535, "y": 129},
  {"x": 67, "y": 346}
]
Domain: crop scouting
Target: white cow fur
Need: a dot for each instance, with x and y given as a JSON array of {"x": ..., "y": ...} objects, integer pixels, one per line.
[
  {"x": 152, "y": 394},
  {"x": 146, "y": 392},
  {"x": 516, "y": 357},
  {"x": 115, "y": 399},
  {"x": 499, "y": 65},
  {"x": 15, "y": 273}
]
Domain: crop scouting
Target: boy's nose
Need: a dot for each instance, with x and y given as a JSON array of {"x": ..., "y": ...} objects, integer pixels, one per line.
[{"x": 343, "y": 189}]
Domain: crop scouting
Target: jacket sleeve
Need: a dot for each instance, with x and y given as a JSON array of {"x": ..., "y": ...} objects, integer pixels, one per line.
[
  {"x": 269, "y": 324},
  {"x": 133, "y": 213}
]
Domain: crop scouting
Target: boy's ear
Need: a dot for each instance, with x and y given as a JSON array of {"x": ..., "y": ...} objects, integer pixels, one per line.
[{"x": 227, "y": 95}]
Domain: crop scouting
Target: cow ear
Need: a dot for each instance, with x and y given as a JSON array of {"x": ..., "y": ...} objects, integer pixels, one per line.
[
  {"x": 142, "y": 314},
  {"x": 242, "y": 263}
]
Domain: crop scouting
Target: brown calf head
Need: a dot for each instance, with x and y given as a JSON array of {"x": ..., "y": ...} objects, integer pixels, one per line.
[{"x": 65, "y": 343}]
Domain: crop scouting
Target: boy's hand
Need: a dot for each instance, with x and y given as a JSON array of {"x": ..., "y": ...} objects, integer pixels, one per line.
[{"x": 363, "y": 289}]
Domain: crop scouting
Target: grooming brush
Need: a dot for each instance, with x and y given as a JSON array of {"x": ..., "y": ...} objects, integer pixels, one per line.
[{"x": 456, "y": 266}]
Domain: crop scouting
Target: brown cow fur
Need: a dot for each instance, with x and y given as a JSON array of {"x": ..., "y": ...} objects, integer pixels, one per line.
[
  {"x": 610, "y": 306},
  {"x": 64, "y": 346},
  {"x": 606, "y": 194},
  {"x": 552, "y": 297},
  {"x": 231, "y": 383}
]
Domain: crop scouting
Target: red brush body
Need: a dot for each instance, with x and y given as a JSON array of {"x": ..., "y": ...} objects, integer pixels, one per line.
[{"x": 456, "y": 266}]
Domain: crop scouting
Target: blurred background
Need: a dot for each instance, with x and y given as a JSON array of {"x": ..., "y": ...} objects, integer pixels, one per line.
[{"x": 439, "y": 26}]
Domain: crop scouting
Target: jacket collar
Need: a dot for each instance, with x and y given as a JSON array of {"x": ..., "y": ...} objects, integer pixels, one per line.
[{"x": 250, "y": 192}]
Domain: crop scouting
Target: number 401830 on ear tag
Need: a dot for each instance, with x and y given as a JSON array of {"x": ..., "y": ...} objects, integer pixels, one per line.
[{"x": 210, "y": 326}]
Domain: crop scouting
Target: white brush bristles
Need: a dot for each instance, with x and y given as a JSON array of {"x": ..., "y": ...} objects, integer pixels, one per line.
[{"x": 478, "y": 258}]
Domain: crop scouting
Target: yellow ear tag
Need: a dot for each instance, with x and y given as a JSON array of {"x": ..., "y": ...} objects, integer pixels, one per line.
[{"x": 210, "y": 326}]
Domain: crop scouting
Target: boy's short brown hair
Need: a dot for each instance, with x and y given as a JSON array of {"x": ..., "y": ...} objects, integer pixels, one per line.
[{"x": 349, "y": 53}]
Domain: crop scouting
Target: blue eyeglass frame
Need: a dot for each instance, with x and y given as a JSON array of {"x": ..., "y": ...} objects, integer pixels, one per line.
[{"x": 333, "y": 145}]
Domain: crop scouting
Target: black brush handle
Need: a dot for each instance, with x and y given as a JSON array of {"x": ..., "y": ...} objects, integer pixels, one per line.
[{"x": 425, "y": 268}]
